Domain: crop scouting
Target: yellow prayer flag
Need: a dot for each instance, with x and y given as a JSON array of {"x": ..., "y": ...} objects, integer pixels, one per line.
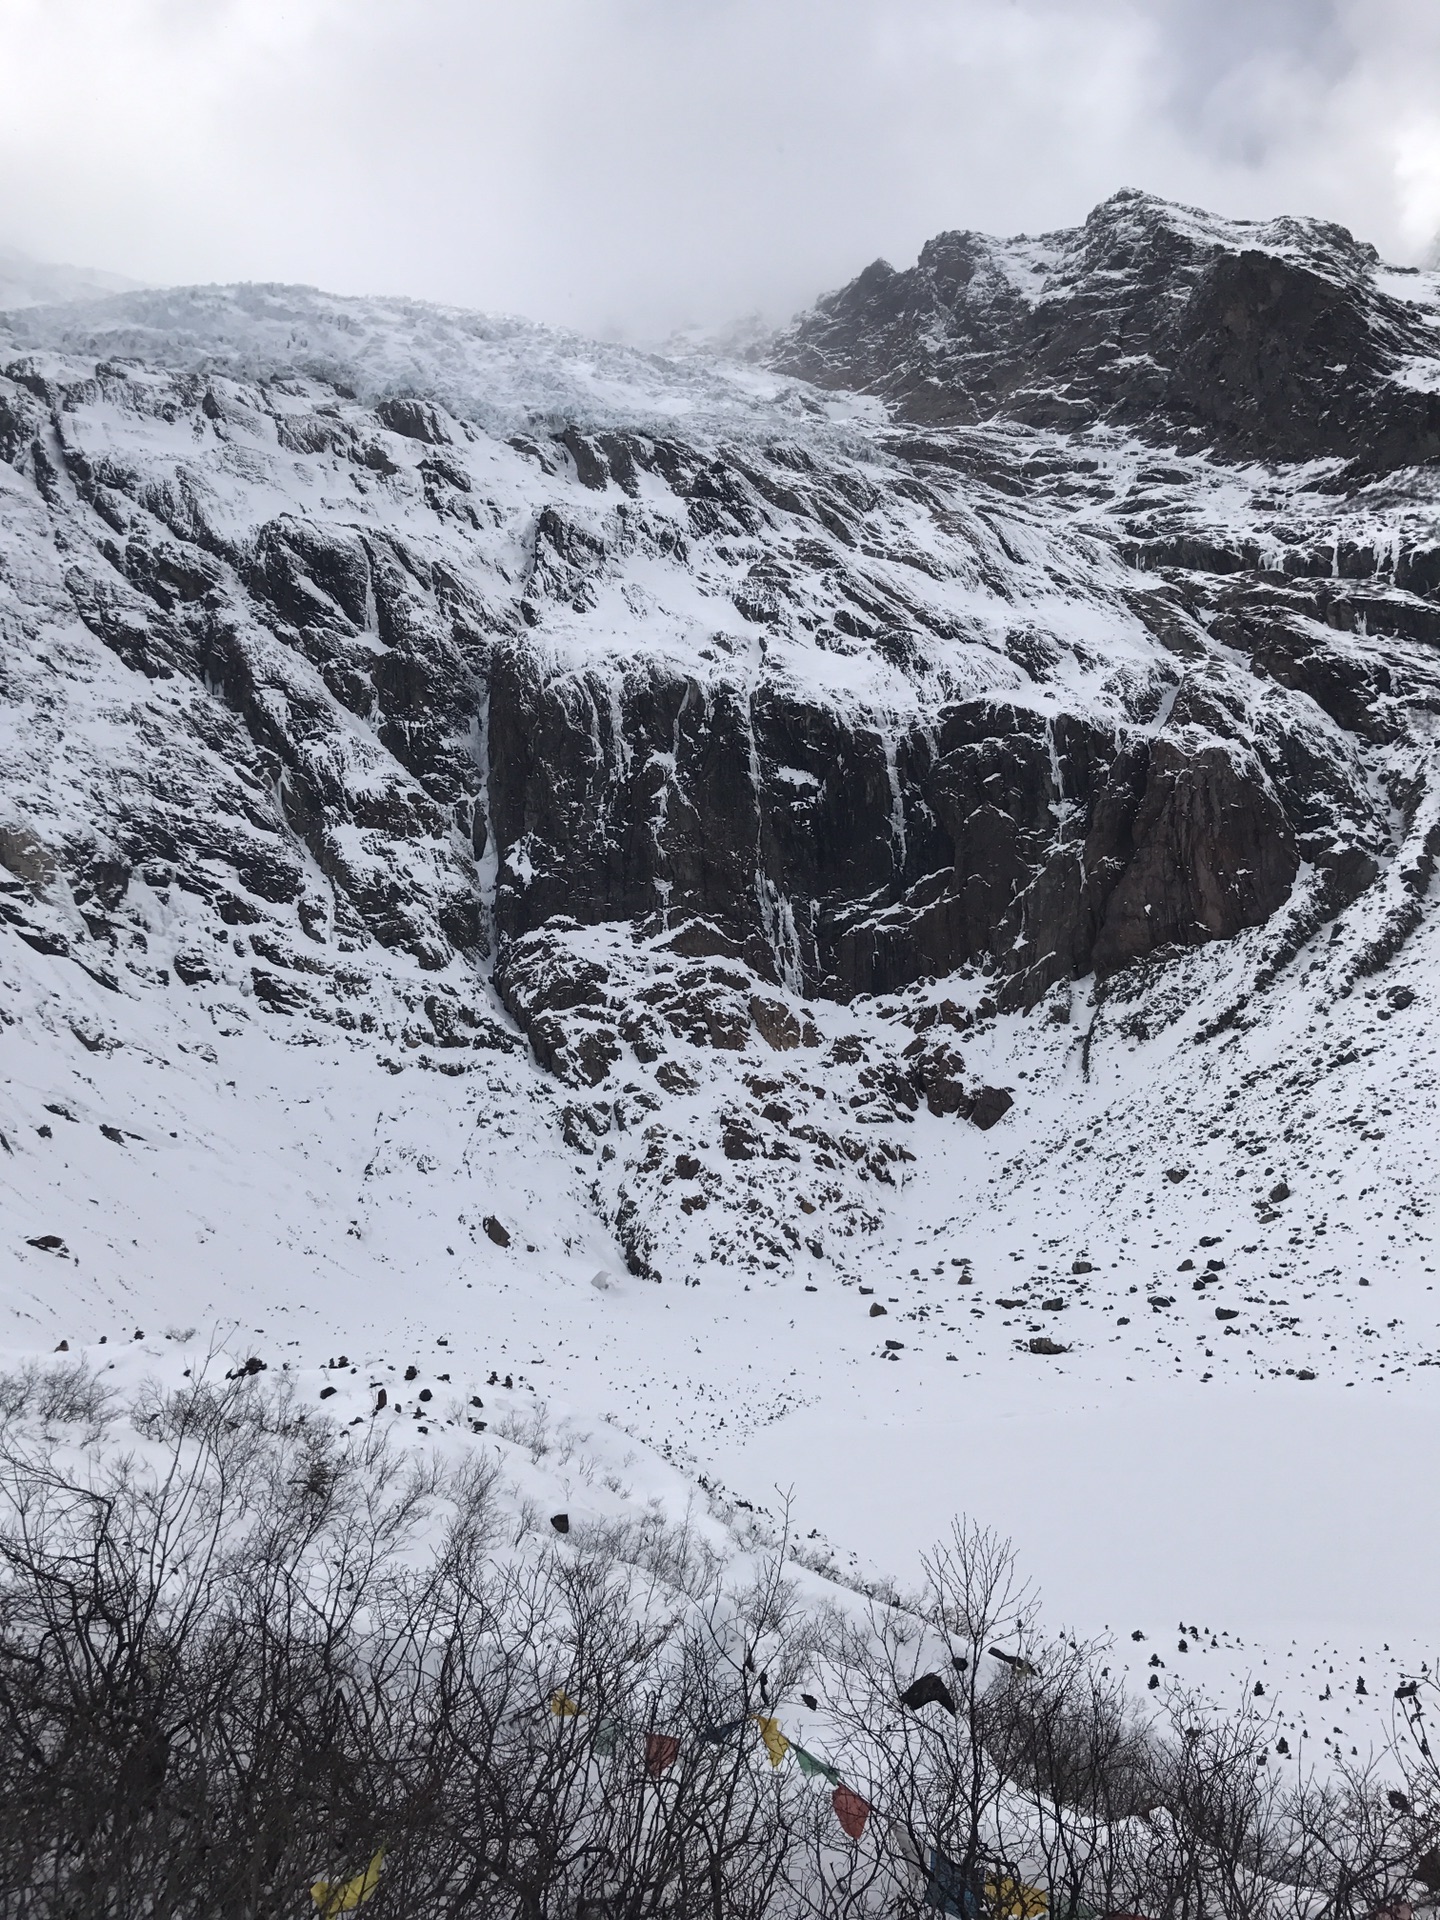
[
  {"x": 776, "y": 1745},
  {"x": 562, "y": 1706},
  {"x": 1015, "y": 1900},
  {"x": 343, "y": 1896}
]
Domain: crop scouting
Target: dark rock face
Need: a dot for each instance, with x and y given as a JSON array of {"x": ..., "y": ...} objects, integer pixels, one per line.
[
  {"x": 1213, "y": 854},
  {"x": 1271, "y": 340},
  {"x": 991, "y": 836}
]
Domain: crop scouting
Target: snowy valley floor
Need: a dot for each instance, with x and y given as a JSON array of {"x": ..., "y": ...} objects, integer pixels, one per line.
[{"x": 215, "y": 1174}]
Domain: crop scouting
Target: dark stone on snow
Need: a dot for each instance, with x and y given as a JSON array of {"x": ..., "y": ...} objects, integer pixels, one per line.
[
  {"x": 192, "y": 968},
  {"x": 498, "y": 1233},
  {"x": 989, "y": 1105}
]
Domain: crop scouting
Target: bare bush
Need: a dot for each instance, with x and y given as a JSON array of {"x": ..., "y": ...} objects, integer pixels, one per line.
[{"x": 256, "y": 1653}]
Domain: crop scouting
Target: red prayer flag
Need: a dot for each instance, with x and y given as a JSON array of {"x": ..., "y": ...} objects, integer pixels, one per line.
[
  {"x": 660, "y": 1752},
  {"x": 850, "y": 1810}
]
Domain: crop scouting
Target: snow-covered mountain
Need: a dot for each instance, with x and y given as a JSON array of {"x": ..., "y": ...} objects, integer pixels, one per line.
[
  {"x": 26, "y": 282},
  {"x": 601, "y": 866}
]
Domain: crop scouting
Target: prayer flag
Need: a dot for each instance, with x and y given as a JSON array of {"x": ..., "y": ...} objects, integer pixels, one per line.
[
  {"x": 723, "y": 1731},
  {"x": 945, "y": 1888},
  {"x": 1015, "y": 1900},
  {"x": 606, "y": 1738},
  {"x": 562, "y": 1706},
  {"x": 927, "y": 1689},
  {"x": 904, "y": 1848},
  {"x": 660, "y": 1752},
  {"x": 776, "y": 1745},
  {"x": 850, "y": 1810},
  {"x": 343, "y": 1896},
  {"x": 809, "y": 1764},
  {"x": 1014, "y": 1661}
]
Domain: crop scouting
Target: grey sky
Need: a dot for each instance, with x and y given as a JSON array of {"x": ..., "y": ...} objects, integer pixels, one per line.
[{"x": 644, "y": 163}]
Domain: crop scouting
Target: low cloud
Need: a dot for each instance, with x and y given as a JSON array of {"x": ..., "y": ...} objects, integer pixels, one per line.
[{"x": 642, "y": 164}]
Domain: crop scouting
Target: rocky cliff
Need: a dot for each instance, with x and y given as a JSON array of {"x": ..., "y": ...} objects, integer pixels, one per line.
[{"x": 1044, "y": 613}]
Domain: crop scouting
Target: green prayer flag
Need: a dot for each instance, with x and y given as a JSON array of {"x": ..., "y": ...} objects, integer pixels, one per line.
[{"x": 809, "y": 1764}]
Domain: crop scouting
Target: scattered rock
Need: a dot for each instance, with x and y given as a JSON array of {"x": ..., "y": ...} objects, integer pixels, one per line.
[
  {"x": 1280, "y": 1191},
  {"x": 876, "y": 1310},
  {"x": 989, "y": 1105},
  {"x": 560, "y": 1522},
  {"x": 498, "y": 1233},
  {"x": 47, "y": 1243},
  {"x": 1043, "y": 1344},
  {"x": 192, "y": 968},
  {"x": 1177, "y": 1174},
  {"x": 1081, "y": 1266},
  {"x": 1227, "y": 1313}
]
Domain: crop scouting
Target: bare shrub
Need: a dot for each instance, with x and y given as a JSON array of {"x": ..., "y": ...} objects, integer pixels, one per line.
[{"x": 257, "y": 1651}]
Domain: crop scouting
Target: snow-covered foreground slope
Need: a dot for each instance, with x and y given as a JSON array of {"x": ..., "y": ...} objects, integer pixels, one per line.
[
  {"x": 903, "y": 969},
  {"x": 285, "y": 1192}
]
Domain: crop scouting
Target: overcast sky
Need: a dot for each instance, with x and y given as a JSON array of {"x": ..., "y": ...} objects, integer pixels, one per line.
[{"x": 641, "y": 164}]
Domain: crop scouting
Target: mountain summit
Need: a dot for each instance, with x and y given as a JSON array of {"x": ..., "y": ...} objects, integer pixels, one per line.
[{"x": 1280, "y": 339}]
